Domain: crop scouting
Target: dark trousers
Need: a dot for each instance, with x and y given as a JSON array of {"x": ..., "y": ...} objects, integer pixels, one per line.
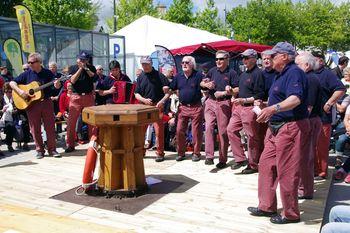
[{"x": 10, "y": 131}]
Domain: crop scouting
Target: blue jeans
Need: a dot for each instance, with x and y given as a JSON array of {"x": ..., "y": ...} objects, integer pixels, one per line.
[
  {"x": 339, "y": 220},
  {"x": 340, "y": 144}
]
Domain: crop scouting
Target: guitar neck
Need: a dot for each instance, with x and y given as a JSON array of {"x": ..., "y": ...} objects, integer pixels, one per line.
[{"x": 63, "y": 77}]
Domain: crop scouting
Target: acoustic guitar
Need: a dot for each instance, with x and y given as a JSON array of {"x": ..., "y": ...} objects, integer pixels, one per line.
[{"x": 35, "y": 92}]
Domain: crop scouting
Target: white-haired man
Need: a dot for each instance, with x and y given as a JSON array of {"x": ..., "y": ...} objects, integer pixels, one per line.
[
  {"x": 189, "y": 90},
  {"x": 41, "y": 111}
]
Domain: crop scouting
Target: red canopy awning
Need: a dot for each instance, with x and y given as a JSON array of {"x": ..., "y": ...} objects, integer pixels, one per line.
[{"x": 227, "y": 45}]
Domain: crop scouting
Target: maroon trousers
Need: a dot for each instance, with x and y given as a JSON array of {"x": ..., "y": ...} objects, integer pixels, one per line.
[
  {"x": 322, "y": 151},
  {"x": 159, "y": 131},
  {"x": 280, "y": 164},
  {"x": 76, "y": 105},
  {"x": 195, "y": 113},
  {"x": 218, "y": 112},
  {"x": 244, "y": 118},
  {"x": 306, "y": 184},
  {"x": 38, "y": 113}
]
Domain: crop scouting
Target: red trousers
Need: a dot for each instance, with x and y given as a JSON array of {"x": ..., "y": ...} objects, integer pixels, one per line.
[
  {"x": 38, "y": 113},
  {"x": 322, "y": 151},
  {"x": 306, "y": 184},
  {"x": 280, "y": 164},
  {"x": 195, "y": 113},
  {"x": 159, "y": 130},
  {"x": 76, "y": 105},
  {"x": 244, "y": 118},
  {"x": 218, "y": 112}
]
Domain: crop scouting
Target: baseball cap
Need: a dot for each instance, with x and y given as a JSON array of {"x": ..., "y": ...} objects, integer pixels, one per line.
[
  {"x": 83, "y": 55},
  {"x": 146, "y": 60},
  {"x": 281, "y": 47},
  {"x": 249, "y": 53}
]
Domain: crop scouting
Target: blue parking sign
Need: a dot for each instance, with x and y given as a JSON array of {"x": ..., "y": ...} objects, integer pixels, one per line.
[{"x": 116, "y": 50}]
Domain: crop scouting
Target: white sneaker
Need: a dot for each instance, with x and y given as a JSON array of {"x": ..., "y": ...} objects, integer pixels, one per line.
[{"x": 55, "y": 154}]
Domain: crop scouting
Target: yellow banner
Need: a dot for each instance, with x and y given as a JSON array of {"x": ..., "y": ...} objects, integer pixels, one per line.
[
  {"x": 13, "y": 53},
  {"x": 25, "y": 25}
]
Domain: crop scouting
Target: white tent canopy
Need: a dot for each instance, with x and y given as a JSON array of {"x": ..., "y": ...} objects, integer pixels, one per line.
[{"x": 144, "y": 33}]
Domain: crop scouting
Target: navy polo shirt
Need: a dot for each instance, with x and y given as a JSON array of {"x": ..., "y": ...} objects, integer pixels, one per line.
[
  {"x": 85, "y": 83},
  {"x": 252, "y": 84},
  {"x": 150, "y": 85},
  {"x": 44, "y": 76},
  {"x": 228, "y": 77},
  {"x": 314, "y": 94},
  {"x": 56, "y": 92},
  {"x": 269, "y": 77},
  {"x": 291, "y": 81},
  {"x": 107, "y": 83},
  {"x": 189, "y": 88},
  {"x": 329, "y": 84}
]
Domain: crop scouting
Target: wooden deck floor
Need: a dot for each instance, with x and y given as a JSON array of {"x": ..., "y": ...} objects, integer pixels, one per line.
[{"x": 217, "y": 203}]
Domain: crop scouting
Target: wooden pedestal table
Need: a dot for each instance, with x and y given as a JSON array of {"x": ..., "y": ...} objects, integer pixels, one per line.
[{"x": 121, "y": 136}]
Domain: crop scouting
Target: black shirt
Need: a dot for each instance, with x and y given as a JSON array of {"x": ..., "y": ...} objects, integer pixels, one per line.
[
  {"x": 189, "y": 88},
  {"x": 314, "y": 94},
  {"x": 221, "y": 79},
  {"x": 150, "y": 85},
  {"x": 252, "y": 84},
  {"x": 85, "y": 83},
  {"x": 269, "y": 77}
]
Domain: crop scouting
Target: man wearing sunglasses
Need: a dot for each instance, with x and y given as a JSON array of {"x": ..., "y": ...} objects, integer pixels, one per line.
[
  {"x": 222, "y": 82},
  {"x": 251, "y": 88},
  {"x": 285, "y": 140},
  {"x": 41, "y": 111},
  {"x": 189, "y": 90}
]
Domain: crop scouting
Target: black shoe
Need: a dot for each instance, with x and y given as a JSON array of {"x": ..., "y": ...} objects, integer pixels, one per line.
[
  {"x": 159, "y": 159},
  {"x": 278, "y": 219},
  {"x": 255, "y": 211},
  {"x": 239, "y": 165},
  {"x": 69, "y": 149},
  {"x": 221, "y": 165},
  {"x": 196, "y": 158},
  {"x": 180, "y": 158},
  {"x": 2, "y": 154},
  {"x": 249, "y": 170},
  {"x": 25, "y": 147},
  {"x": 209, "y": 161},
  {"x": 300, "y": 197},
  {"x": 10, "y": 149}
]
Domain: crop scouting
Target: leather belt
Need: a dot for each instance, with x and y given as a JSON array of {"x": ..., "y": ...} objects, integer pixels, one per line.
[
  {"x": 75, "y": 93},
  {"x": 191, "y": 105},
  {"x": 220, "y": 99},
  {"x": 248, "y": 104}
]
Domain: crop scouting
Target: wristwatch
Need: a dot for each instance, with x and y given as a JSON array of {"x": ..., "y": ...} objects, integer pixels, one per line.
[
  {"x": 278, "y": 107},
  {"x": 86, "y": 69}
]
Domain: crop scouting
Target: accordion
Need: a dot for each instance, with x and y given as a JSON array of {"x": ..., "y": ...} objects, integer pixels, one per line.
[{"x": 124, "y": 92}]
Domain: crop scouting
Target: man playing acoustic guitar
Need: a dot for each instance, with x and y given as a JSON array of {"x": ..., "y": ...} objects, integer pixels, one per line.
[{"x": 40, "y": 111}]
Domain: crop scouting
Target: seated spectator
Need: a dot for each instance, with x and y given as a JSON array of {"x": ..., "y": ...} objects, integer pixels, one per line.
[
  {"x": 346, "y": 79},
  {"x": 339, "y": 220},
  {"x": 8, "y": 110},
  {"x": 344, "y": 138}
]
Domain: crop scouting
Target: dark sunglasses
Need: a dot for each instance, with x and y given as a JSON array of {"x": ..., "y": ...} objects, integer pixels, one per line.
[
  {"x": 26, "y": 69},
  {"x": 220, "y": 59},
  {"x": 185, "y": 62},
  {"x": 32, "y": 62}
]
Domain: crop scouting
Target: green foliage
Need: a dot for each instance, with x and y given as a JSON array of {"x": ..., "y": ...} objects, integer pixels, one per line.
[
  {"x": 6, "y": 8},
  {"x": 128, "y": 11},
  {"x": 69, "y": 13},
  {"x": 208, "y": 20},
  {"x": 180, "y": 12}
]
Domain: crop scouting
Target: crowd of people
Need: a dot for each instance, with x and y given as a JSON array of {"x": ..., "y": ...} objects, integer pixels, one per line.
[{"x": 284, "y": 110}]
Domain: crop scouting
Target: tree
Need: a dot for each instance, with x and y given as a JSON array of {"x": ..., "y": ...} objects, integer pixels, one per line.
[
  {"x": 340, "y": 39},
  {"x": 263, "y": 21},
  {"x": 128, "y": 11},
  {"x": 180, "y": 12},
  {"x": 208, "y": 20},
  {"x": 6, "y": 8},
  {"x": 70, "y": 13}
]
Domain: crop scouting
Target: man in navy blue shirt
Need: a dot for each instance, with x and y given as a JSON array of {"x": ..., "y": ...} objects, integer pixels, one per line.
[
  {"x": 307, "y": 62},
  {"x": 150, "y": 90},
  {"x": 332, "y": 90},
  {"x": 100, "y": 100},
  {"x": 42, "y": 111},
  {"x": 285, "y": 139},
  {"x": 251, "y": 88},
  {"x": 189, "y": 90},
  {"x": 106, "y": 88},
  {"x": 222, "y": 83}
]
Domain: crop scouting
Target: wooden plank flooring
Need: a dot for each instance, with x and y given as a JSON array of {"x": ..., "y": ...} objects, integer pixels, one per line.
[{"x": 217, "y": 203}]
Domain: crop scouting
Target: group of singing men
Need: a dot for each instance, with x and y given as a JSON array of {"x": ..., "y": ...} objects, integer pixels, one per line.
[{"x": 284, "y": 110}]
